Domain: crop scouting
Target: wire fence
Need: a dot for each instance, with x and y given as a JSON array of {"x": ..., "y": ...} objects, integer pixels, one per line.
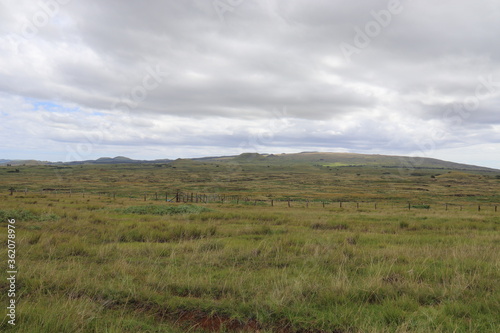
[{"x": 178, "y": 196}]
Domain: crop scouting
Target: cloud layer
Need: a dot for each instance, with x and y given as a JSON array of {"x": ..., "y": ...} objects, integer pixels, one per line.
[{"x": 83, "y": 79}]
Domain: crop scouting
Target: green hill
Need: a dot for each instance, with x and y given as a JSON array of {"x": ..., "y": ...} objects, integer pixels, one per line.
[{"x": 351, "y": 160}]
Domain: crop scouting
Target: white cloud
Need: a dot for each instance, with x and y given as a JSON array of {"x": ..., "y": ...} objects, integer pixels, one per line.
[{"x": 222, "y": 82}]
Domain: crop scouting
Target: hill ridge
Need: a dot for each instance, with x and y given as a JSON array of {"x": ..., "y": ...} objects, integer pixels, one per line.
[{"x": 328, "y": 159}]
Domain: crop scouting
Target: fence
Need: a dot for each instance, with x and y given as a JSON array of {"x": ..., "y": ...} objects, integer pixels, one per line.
[{"x": 178, "y": 196}]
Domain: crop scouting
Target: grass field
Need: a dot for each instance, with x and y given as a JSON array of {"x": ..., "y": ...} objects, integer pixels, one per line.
[{"x": 90, "y": 261}]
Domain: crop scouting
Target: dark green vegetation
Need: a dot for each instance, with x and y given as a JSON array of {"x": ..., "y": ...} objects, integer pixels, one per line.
[{"x": 107, "y": 261}]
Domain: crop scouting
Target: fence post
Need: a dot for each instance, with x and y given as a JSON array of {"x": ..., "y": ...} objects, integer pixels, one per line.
[
  {"x": 272, "y": 203},
  {"x": 478, "y": 208},
  {"x": 409, "y": 206},
  {"x": 288, "y": 202}
]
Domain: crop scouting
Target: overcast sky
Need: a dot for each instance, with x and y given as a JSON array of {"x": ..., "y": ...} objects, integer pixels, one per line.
[{"x": 187, "y": 78}]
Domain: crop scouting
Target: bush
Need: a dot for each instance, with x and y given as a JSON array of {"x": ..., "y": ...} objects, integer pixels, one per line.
[
  {"x": 25, "y": 215},
  {"x": 329, "y": 226},
  {"x": 404, "y": 225},
  {"x": 421, "y": 206},
  {"x": 164, "y": 210}
]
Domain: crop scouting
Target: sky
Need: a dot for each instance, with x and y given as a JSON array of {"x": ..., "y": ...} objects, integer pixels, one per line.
[{"x": 177, "y": 79}]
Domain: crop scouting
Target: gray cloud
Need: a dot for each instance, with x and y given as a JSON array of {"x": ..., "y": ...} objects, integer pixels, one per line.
[{"x": 220, "y": 77}]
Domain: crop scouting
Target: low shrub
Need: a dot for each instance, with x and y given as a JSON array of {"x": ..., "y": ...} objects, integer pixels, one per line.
[{"x": 165, "y": 210}]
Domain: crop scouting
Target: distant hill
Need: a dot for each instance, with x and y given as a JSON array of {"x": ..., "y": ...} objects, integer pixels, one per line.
[
  {"x": 308, "y": 158},
  {"x": 117, "y": 160},
  {"x": 102, "y": 160},
  {"x": 22, "y": 162},
  {"x": 351, "y": 159}
]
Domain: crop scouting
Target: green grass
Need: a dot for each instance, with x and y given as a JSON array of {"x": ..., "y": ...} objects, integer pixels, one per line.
[
  {"x": 98, "y": 263},
  {"x": 26, "y": 215},
  {"x": 164, "y": 210}
]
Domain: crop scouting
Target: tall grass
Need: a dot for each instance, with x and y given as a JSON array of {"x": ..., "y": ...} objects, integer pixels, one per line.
[{"x": 104, "y": 264}]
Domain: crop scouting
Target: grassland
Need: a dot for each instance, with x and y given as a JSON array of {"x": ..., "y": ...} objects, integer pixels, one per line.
[{"x": 90, "y": 261}]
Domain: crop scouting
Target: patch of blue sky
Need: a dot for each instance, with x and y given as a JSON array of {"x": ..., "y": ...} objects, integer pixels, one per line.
[{"x": 51, "y": 106}]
